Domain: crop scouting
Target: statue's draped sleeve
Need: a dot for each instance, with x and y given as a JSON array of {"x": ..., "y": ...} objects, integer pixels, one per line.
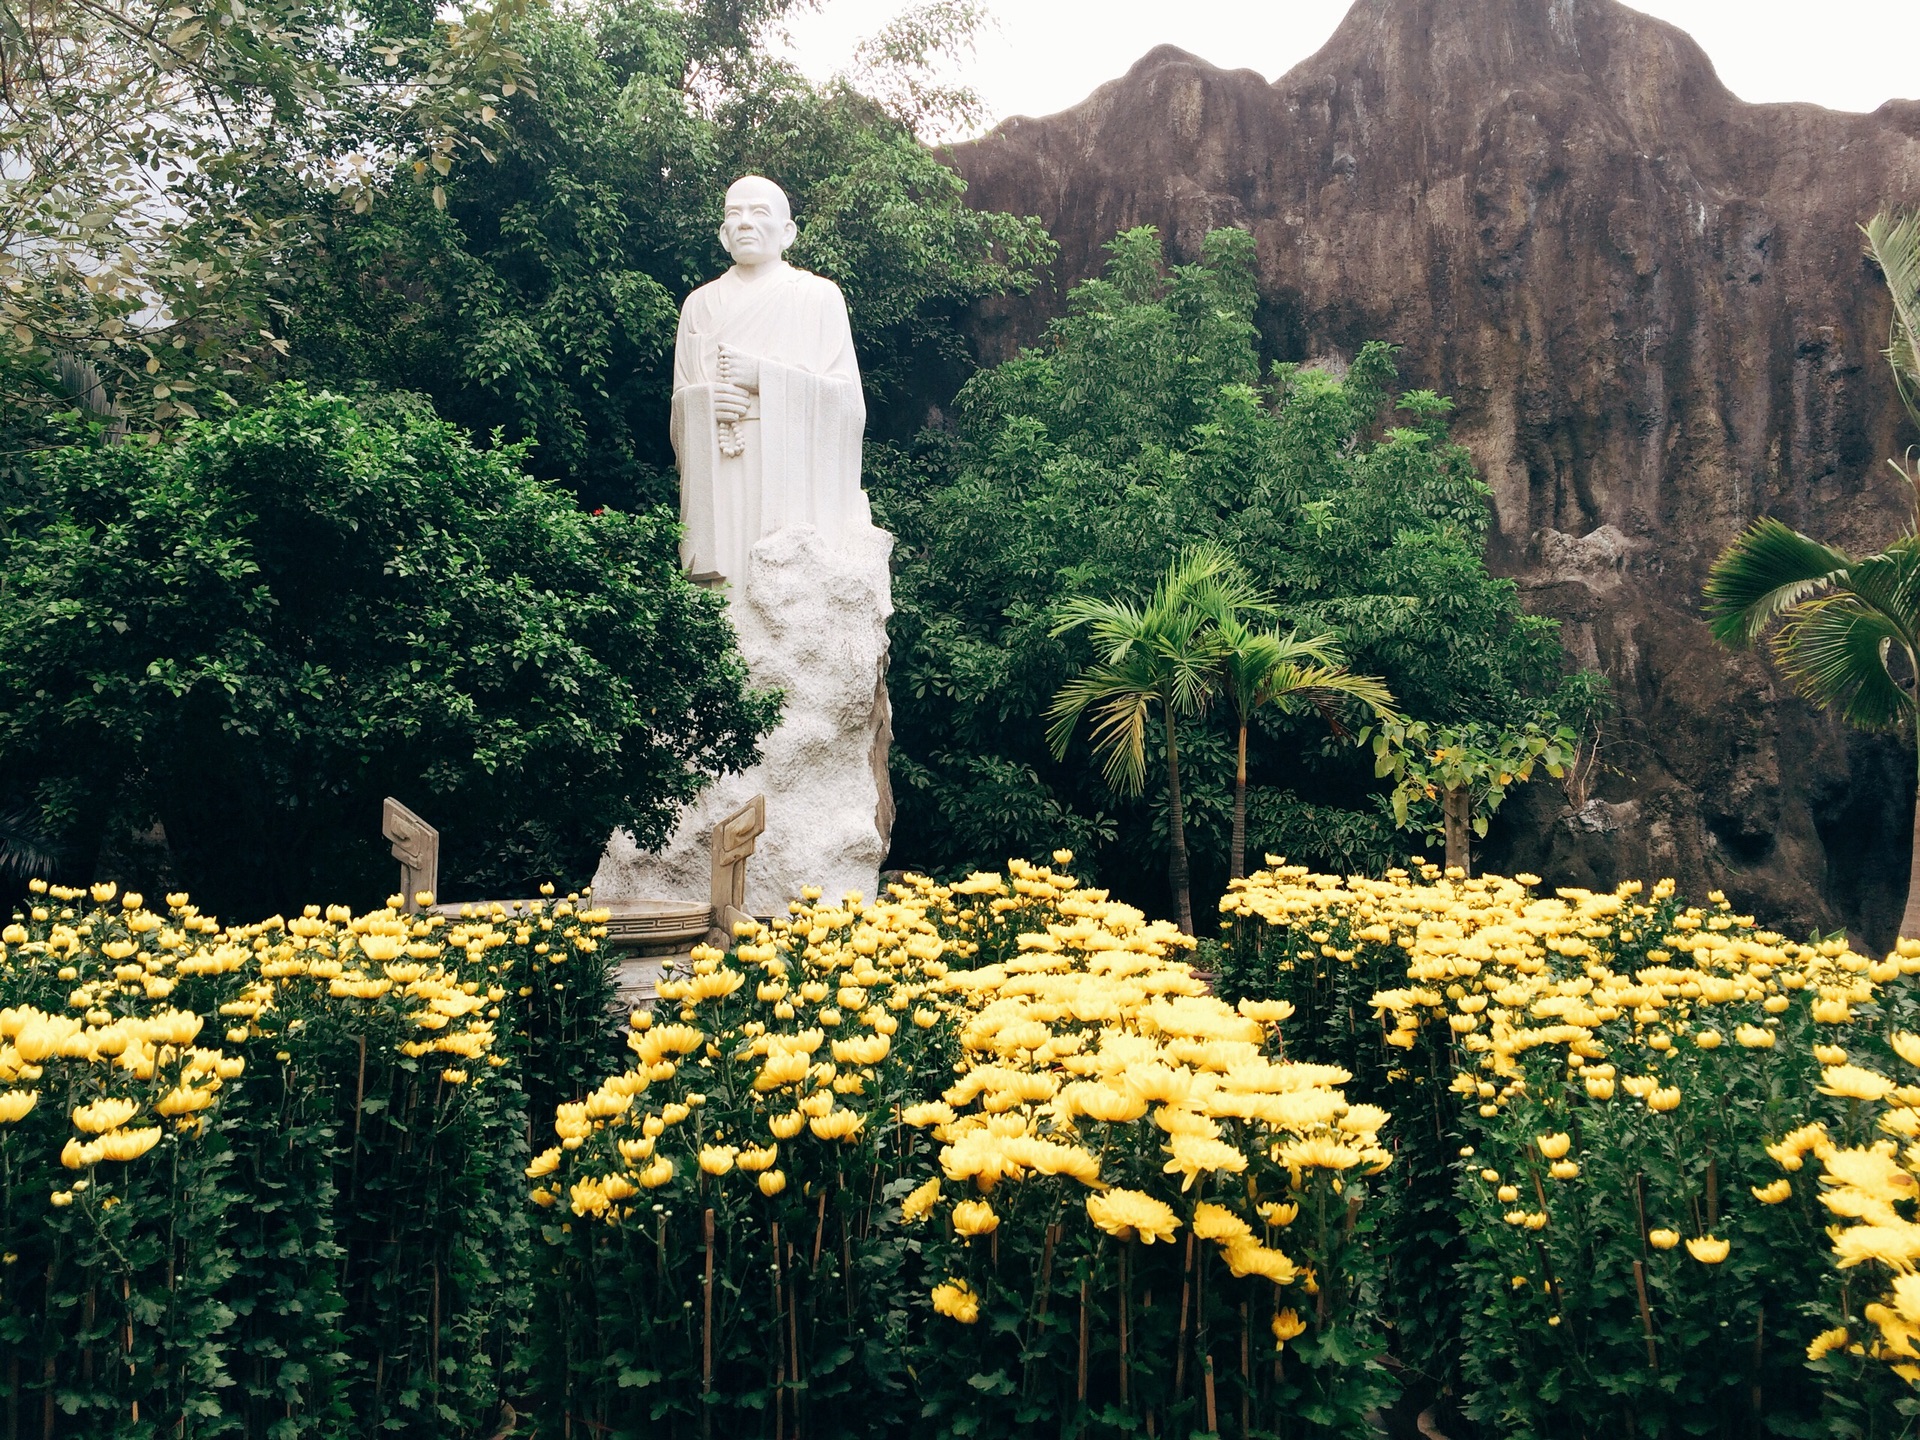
[{"x": 810, "y": 473}]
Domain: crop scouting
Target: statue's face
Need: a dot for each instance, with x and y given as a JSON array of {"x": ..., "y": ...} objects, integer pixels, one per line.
[{"x": 758, "y": 226}]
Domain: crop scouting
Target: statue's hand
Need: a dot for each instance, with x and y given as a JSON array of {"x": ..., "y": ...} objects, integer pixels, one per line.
[
  {"x": 730, "y": 401},
  {"x": 743, "y": 369}
]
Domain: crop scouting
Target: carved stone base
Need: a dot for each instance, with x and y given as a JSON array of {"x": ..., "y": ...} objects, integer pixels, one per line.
[{"x": 813, "y": 622}]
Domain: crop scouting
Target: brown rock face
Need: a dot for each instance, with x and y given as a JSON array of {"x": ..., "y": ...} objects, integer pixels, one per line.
[{"x": 1650, "y": 303}]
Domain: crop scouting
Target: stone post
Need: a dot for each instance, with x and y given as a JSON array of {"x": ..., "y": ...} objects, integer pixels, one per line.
[
  {"x": 416, "y": 845},
  {"x": 733, "y": 844}
]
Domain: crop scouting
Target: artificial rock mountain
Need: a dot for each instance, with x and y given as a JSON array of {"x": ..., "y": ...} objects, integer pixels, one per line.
[{"x": 1650, "y": 303}]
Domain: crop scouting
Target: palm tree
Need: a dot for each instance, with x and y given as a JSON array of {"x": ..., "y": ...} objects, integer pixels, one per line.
[
  {"x": 1166, "y": 653},
  {"x": 1849, "y": 631},
  {"x": 1844, "y": 622},
  {"x": 1263, "y": 667}
]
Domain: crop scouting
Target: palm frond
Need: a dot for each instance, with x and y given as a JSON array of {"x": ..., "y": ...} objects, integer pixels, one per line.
[
  {"x": 1889, "y": 582},
  {"x": 24, "y": 849},
  {"x": 1765, "y": 573},
  {"x": 1323, "y": 685},
  {"x": 1836, "y": 650},
  {"x": 1894, "y": 243},
  {"x": 1119, "y": 696},
  {"x": 1098, "y": 686},
  {"x": 1114, "y": 625},
  {"x": 1119, "y": 739}
]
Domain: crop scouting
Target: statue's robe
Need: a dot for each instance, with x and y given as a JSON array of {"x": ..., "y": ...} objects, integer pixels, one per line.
[{"x": 800, "y": 461}]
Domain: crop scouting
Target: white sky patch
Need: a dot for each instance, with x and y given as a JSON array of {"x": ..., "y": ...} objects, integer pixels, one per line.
[{"x": 1040, "y": 56}]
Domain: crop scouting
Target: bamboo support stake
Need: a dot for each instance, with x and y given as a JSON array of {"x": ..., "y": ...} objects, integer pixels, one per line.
[
  {"x": 1246, "y": 1366},
  {"x": 1124, "y": 1298},
  {"x": 1180, "y": 1342},
  {"x": 433, "y": 1340},
  {"x": 1206, "y": 1378},
  {"x": 1046, "y": 1266},
  {"x": 1646, "y": 1313},
  {"x": 819, "y": 1229},
  {"x": 846, "y": 1266},
  {"x": 793, "y": 1337},
  {"x": 779, "y": 1350},
  {"x": 1080, "y": 1388},
  {"x": 706, "y": 1323},
  {"x": 1039, "y": 1314}
]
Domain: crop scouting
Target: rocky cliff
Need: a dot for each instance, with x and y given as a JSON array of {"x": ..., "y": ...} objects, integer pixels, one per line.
[{"x": 1648, "y": 299}]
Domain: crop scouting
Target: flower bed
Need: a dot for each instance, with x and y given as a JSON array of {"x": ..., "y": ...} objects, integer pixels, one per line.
[
  {"x": 1614, "y": 1099},
  {"x": 984, "y": 1156},
  {"x": 264, "y": 1176}
]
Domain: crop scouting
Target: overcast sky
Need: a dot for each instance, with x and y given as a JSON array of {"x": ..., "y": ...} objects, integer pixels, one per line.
[{"x": 1040, "y": 56}]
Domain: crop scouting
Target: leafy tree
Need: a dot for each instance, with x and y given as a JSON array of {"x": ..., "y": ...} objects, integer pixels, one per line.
[
  {"x": 543, "y": 297},
  {"x": 250, "y": 637},
  {"x": 1465, "y": 771},
  {"x": 1142, "y": 424},
  {"x": 1849, "y": 626},
  {"x": 1168, "y": 653},
  {"x": 135, "y": 265}
]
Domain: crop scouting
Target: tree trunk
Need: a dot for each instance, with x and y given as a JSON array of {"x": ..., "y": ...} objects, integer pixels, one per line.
[
  {"x": 1238, "y": 866},
  {"x": 1178, "y": 872},
  {"x": 1910, "y": 919},
  {"x": 1456, "y": 809}
]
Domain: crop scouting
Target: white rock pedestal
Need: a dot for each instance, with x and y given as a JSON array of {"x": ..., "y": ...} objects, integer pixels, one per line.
[{"x": 813, "y": 622}]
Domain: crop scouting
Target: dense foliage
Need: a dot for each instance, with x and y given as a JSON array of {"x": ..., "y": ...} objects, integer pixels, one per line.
[
  {"x": 1605, "y": 1217},
  {"x": 984, "y": 1157},
  {"x": 1142, "y": 424},
  {"x": 136, "y": 268},
  {"x": 543, "y": 296},
  {"x": 263, "y": 1179},
  {"x": 248, "y": 638}
]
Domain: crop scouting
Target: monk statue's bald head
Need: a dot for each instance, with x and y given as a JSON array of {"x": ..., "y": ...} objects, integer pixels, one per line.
[{"x": 758, "y": 224}]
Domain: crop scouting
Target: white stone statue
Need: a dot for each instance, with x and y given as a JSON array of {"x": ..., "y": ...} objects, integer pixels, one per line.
[
  {"x": 767, "y": 409},
  {"x": 767, "y": 420}
]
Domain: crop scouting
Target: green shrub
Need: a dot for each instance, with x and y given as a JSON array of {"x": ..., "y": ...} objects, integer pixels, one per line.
[{"x": 251, "y": 636}]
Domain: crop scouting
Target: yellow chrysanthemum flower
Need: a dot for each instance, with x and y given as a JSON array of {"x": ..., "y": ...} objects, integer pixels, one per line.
[
  {"x": 956, "y": 1300},
  {"x": 1127, "y": 1213},
  {"x": 1854, "y": 1082},
  {"x": 1287, "y": 1325},
  {"x": 1826, "y": 1342},
  {"x": 974, "y": 1217},
  {"x": 1216, "y": 1222},
  {"x": 920, "y": 1202}
]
